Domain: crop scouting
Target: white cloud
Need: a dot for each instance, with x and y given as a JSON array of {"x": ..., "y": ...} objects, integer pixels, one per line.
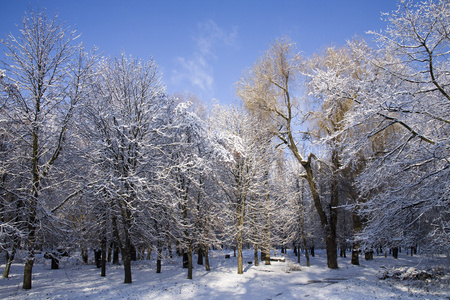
[{"x": 196, "y": 70}]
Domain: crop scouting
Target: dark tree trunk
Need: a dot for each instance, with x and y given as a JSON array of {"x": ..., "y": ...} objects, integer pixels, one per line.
[
  {"x": 185, "y": 260},
  {"x": 368, "y": 255},
  {"x": 331, "y": 246},
  {"x": 357, "y": 226},
  {"x": 170, "y": 252},
  {"x": 190, "y": 265},
  {"x": 27, "y": 273},
  {"x": 110, "y": 248},
  {"x": 158, "y": 265},
  {"x": 200, "y": 256},
  {"x": 328, "y": 223},
  {"x": 126, "y": 258},
  {"x": 133, "y": 255},
  {"x": 127, "y": 269},
  {"x": 84, "y": 254},
  {"x": 9, "y": 260},
  {"x": 342, "y": 251},
  {"x": 98, "y": 258},
  {"x": 395, "y": 252},
  {"x": 115, "y": 259},
  {"x": 330, "y": 230},
  {"x": 255, "y": 255},
  {"x": 158, "y": 260},
  {"x": 149, "y": 253},
  {"x": 355, "y": 254},
  {"x": 206, "y": 252},
  {"x": 55, "y": 262},
  {"x": 104, "y": 258}
]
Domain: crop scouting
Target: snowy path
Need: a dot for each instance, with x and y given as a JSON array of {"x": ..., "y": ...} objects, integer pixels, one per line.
[{"x": 276, "y": 281}]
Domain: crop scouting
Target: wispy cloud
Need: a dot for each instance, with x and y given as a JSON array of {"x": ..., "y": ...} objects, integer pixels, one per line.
[{"x": 196, "y": 70}]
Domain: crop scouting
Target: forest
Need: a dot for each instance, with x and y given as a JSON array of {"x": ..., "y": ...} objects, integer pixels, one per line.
[{"x": 347, "y": 150}]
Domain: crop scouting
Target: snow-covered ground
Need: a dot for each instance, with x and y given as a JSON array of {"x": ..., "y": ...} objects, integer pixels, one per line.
[{"x": 280, "y": 280}]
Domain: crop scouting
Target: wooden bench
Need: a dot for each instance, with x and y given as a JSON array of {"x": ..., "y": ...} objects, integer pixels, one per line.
[{"x": 279, "y": 259}]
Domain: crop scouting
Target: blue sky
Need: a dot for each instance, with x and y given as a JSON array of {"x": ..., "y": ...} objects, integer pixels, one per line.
[{"x": 202, "y": 47}]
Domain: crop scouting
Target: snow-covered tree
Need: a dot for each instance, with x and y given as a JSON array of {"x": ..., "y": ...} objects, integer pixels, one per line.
[
  {"x": 297, "y": 215},
  {"x": 333, "y": 76},
  {"x": 46, "y": 78},
  {"x": 244, "y": 181},
  {"x": 194, "y": 152},
  {"x": 408, "y": 180},
  {"x": 397, "y": 127},
  {"x": 121, "y": 139},
  {"x": 268, "y": 89}
]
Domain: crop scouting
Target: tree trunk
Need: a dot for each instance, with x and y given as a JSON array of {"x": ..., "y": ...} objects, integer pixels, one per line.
[
  {"x": 369, "y": 255},
  {"x": 55, "y": 262},
  {"x": 170, "y": 250},
  {"x": 328, "y": 225},
  {"x": 84, "y": 254},
  {"x": 133, "y": 252},
  {"x": 104, "y": 258},
  {"x": 158, "y": 259},
  {"x": 355, "y": 254},
  {"x": 357, "y": 226},
  {"x": 110, "y": 248},
  {"x": 343, "y": 252},
  {"x": 265, "y": 254},
  {"x": 395, "y": 252},
  {"x": 190, "y": 265},
  {"x": 330, "y": 230},
  {"x": 185, "y": 260},
  {"x": 9, "y": 260},
  {"x": 115, "y": 259},
  {"x": 331, "y": 247},
  {"x": 98, "y": 258},
  {"x": 158, "y": 265},
  {"x": 127, "y": 269},
  {"x": 126, "y": 258},
  {"x": 200, "y": 256},
  {"x": 256, "y": 255},
  {"x": 206, "y": 252},
  {"x": 27, "y": 273},
  {"x": 306, "y": 251},
  {"x": 240, "y": 259}
]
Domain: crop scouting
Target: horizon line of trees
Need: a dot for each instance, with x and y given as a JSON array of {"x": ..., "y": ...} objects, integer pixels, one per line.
[{"x": 348, "y": 148}]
